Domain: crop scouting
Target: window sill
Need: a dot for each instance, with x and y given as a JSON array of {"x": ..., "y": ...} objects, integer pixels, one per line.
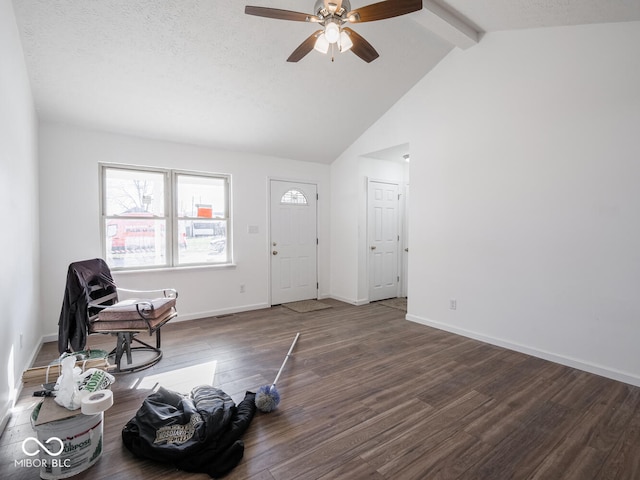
[{"x": 174, "y": 269}]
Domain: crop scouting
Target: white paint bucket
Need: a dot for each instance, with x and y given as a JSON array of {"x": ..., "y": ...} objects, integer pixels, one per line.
[{"x": 81, "y": 437}]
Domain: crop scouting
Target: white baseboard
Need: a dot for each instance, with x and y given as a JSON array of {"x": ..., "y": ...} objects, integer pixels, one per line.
[
  {"x": 613, "y": 374},
  {"x": 350, "y": 301},
  {"x": 52, "y": 337},
  {"x": 220, "y": 312},
  {"x": 5, "y": 416},
  {"x": 5, "y": 412}
]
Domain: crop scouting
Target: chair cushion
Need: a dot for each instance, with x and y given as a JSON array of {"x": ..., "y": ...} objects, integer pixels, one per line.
[
  {"x": 129, "y": 310},
  {"x": 139, "y": 325}
]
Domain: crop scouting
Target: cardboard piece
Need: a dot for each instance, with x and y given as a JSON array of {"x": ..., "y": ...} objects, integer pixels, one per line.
[{"x": 50, "y": 411}]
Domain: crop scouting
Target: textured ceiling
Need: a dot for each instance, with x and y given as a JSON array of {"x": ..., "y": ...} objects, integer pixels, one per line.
[
  {"x": 203, "y": 72},
  {"x": 494, "y": 15}
]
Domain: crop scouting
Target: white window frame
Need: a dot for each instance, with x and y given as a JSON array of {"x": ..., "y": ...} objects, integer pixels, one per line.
[{"x": 170, "y": 185}]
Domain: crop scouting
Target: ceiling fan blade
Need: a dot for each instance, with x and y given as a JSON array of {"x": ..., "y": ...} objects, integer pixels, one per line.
[
  {"x": 382, "y": 10},
  {"x": 280, "y": 14},
  {"x": 305, "y": 47},
  {"x": 361, "y": 47}
]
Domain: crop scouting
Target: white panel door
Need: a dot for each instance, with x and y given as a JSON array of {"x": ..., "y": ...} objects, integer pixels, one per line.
[
  {"x": 294, "y": 242},
  {"x": 404, "y": 245},
  {"x": 383, "y": 240}
]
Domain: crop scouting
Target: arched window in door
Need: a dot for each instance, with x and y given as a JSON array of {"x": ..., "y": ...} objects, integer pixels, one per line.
[{"x": 293, "y": 197}]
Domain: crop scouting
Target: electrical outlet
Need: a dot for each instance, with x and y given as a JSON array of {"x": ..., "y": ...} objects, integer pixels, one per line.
[
  {"x": 453, "y": 304},
  {"x": 242, "y": 288},
  {"x": 20, "y": 341}
]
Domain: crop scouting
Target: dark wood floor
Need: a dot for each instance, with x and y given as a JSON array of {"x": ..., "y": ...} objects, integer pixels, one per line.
[{"x": 368, "y": 394}]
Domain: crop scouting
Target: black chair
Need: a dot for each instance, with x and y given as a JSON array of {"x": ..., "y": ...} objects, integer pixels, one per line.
[{"x": 91, "y": 305}]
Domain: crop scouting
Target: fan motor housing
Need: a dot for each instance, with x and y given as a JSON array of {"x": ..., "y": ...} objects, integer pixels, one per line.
[{"x": 322, "y": 12}]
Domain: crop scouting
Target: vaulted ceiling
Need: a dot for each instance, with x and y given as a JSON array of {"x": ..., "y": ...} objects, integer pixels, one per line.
[{"x": 203, "y": 72}]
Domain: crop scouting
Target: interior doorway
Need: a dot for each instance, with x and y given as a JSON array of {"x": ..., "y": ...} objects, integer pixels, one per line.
[
  {"x": 404, "y": 242},
  {"x": 387, "y": 264}
]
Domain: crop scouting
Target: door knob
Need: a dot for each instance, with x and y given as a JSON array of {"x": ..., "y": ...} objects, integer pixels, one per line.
[
  {"x": 373, "y": 247},
  {"x": 275, "y": 252}
]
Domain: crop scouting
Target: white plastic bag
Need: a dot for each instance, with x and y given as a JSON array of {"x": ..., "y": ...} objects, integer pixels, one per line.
[
  {"x": 73, "y": 385},
  {"x": 67, "y": 392}
]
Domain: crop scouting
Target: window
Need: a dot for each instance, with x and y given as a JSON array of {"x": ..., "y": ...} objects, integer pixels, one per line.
[
  {"x": 164, "y": 218},
  {"x": 203, "y": 217},
  {"x": 293, "y": 197}
]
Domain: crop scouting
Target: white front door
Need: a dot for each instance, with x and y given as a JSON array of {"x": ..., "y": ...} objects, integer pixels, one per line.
[
  {"x": 294, "y": 242},
  {"x": 383, "y": 240}
]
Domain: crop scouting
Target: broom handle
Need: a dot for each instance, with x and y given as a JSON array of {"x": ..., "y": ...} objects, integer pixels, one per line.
[{"x": 285, "y": 360}]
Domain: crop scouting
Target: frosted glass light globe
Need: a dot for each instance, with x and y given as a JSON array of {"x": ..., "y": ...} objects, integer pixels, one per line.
[{"x": 332, "y": 32}]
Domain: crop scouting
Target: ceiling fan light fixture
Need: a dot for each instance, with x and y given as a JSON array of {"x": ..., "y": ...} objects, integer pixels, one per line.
[
  {"x": 332, "y": 15},
  {"x": 322, "y": 45},
  {"x": 345, "y": 42},
  {"x": 332, "y": 32}
]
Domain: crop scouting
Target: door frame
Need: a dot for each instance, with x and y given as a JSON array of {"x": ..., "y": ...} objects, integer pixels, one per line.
[
  {"x": 405, "y": 202},
  {"x": 269, "y": 219},
  {"x": 399, "y": 184}
]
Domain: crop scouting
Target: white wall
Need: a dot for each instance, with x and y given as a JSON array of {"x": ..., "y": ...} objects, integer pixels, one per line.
[
  {"x": 525, "y": 204},
  {"x": 19, "y": 199},
  {"x": 345, "y": 199},
  {"x": 71, "y": 224}
]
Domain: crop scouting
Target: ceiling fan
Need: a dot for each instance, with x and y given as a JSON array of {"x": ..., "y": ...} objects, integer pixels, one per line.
[{"x": 332, "y": 15}]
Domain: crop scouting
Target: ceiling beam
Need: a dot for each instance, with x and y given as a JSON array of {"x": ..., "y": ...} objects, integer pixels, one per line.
[{"x": 447, "y": 25}]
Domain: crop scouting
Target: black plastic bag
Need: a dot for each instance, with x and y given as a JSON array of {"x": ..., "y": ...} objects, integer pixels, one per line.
[{"x": 200, "y": 432}]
